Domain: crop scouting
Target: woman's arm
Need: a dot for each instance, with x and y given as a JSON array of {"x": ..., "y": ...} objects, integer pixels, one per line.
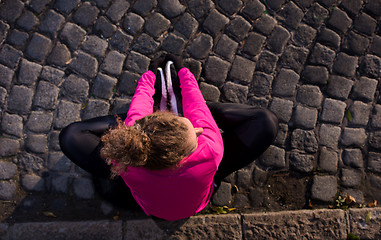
[{"x": 142, "y": 101}]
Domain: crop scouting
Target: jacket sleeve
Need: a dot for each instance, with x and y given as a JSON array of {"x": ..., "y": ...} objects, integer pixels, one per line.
[
  {"x": 142, "y": 101},
  {"x": 196, "y": 110}
]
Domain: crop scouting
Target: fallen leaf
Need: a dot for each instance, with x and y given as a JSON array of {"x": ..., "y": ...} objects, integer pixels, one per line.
[
  {"x": 309, "y": 203},
  {"x": 68, "y": 61},
  {"x": 349, "y": 116},
  {"x": 49, "y": 214},
  {"x": 349, "y": 199},
  {"x": 373, "y": 204},
  {"x": 236, "y": 188},
  {"x": 368, "y": 217},
  {"x": 116, "y": 217}
]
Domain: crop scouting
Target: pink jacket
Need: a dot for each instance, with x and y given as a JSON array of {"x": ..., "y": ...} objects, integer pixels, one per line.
[{"x": 174, "y": 194}]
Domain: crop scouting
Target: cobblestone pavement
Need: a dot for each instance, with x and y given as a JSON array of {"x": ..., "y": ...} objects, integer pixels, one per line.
[{"x": 315, "y": 64}]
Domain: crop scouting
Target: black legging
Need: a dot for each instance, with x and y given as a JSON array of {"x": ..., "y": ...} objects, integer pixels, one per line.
[{"x": 247, "y": 133}]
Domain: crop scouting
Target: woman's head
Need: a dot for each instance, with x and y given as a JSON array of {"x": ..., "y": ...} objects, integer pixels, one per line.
[{"x": 158, "y": 141}]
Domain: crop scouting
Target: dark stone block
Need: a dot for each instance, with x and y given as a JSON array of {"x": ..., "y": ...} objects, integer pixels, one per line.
[
  {"x": 66, "y": 6},
  {"x": 374, "y": 162},
  {"x": 187, "y": 25},
  {"x": 260, "y": 102},
  {"x": 282, "y": 109},
  {"x": 355, "y": 43},
  {"x": 201, "y": 46},
  {"x": 242, "y": 70},
  {"x": 145, "y": 44},
  {"x": 226, "y": 47},
  {"x": 51, "y": 23},
  {"x": 173, "y": 44},
  {"x": 376, "y": 117},
  {"x": 278, "y": 39},
  {"x": 333, "y": 111},
  {"x": 52, "y": 75},
  {"x": 302, "y": 162},
  {"x": 254, "y": 9},
  {"x": 281, "y": 137},
  {"x": 103, "y": 86},
  {"x": 285, "y": 83},
  {"x": 75, "y": 89},
  {"x": 238, "y": 27},
  {"x": 66, "y": 113},
  {"x": 10, "y": 56},
  {"x": 84, "y": 64},
  {"x": 267, "y": 62},
  {"x": 156, "y": 25},
  {"x": 137, "y": 62},
  {"x": 309, "y": 95},
  {"x": 17, "y": 38},
  {"x": 133, "y": 23},
  {"x": 304, "y": 35},
  {"x": 120, "y": 105},
  {"x": 172, "y": 8},
  {"x": 128, "y": 82},
  {"x": 215, "y": 22},
  {"x": 352, "y": 6},
  {"x": 329, "y": 38},
  {"x": 364, "y": 89},
  {"x": 29, "y": 72},
  {"x": 304, "y": 4},
  {"x": 328, "y": 160},
  {"x": 210, "y": 92},
  {"x": 329, "y": 136},
  {"x": 316, "y": 15},
  {"x": 121, "y": 41},
  {"x": 39, "y": 47},
  {"x": 12, "y": 124},
  {"x": 360, "y": 114},
  {"x": 275, "y": 4},
  {"x": 104, "y": 27},
  {"x": 345, "y": 65},
  {"x": 322, "y": 55},
  {"x": 39, "y": 5},
  {"x": 117, "y": 9},
  {"x": 253, "y": 44},
  {"x": 339, "y": 87},
  {"x": 58, "y": 162},
  {"x": 216, "y": 70},
  {"x": 143, "y": 7},
  {"x": 350, "y": 178},
  {"x": 39, "y": 121},
  {"x": 9, "y": 147},
  {"x": 7, "y": 190},
  {"x": 27, "y": 20},
  {"x": 374, "y": 7},
  {"x": 83, "y": 188},
  {"x": 294, "y": 58},
  {"x": 30, "y": 163},
  {"x": 60, "y": 55},
  {"x": 371, "y": 66},
  {"x": 265, "y": 24},
  {"x": 235, "y": 93},
  {"x": 291, "y": 15},
  {"x": 353, "y": 158},
  {"x": 3, "y": 94},
  {"x": 36, "y": 143},
  {"x": 102, "y": 3},
  {"x": 59, "y": 183},
  {"x": 194, "y": 66},
  {"x": 113, "y": 63},
  {"x": 3, "y": 30},
  {"x": 95, "y": 108},
  {"x": 11, "y": 10},
  {"x": 230, "y": 6},
  {"x": 20, "y": 99},
  {"x": 199, "y": 8},
  {"x": 46, "y": 95},
  {"x": 339, "y": 20},
  {"x": 223, "y": 195},
  {"x": 95, "y": 46},
  {"x": 304, "y": 140},
  {"x": 261, "y": 84},
  {"x": 375, "y": 48},
  {"x": 315, "y": 75},
  {"x": 8, "y": 170},
  {"x": 72, "y": 35},
  {"x": 328, "y": 3},
  {"x": 86, "y": 14}
]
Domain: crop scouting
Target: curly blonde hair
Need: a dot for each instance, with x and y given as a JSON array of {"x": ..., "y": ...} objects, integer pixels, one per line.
[{"x": 157, "y": 141}]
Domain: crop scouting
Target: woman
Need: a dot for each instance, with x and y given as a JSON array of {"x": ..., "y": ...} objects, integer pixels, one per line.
[{"x": 170, "y": 162}]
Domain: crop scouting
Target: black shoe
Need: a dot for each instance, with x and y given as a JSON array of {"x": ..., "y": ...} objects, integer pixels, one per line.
[{"x": 173, "y": 86}]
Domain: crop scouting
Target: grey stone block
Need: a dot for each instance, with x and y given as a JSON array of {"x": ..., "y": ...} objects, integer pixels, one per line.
[
  {"x": 30, "y": 163},
  {"x": 328, "y": 160},
  {"x": 357, "y": 194},
  {"x": 329, "y": 135},
  {"x": 10, "y": 56},
  {"x": 282, "y": 109},
  {"x": 39, "y": 121},
  {"x": 376, "y": 117},
  {"x": 274, "y": 157},
  {"x": 29, "y": 72},
  {"x": 66, "y": 6},
  {"x": 309, "y": 95},
  {"x": 374, "y": 7},
  {"x": 364, "y": 89},
  {"x": 375, "y": 139},
  {"x": 137, "y": 62},
  {"x": 304, "y": 35},
  {"x": 95, "y": 108},
  {"x": 46, "y": 95},
  {"x": 187, "y": 25},
  {"x": 53, "y": 140},
  {"x": 75, "y": 88},
  {"x": 322, "y": 55},
  {"x": 215, "y": 22},
  {"x": 11, "y": 10},
  {"x": 201, "y": 46},
  {"x": 223, "y": 195},
  {"x": 172, "y": 8},
  {"x": 3, "y": 94},
  {"x": 156, "y": 25},
  {"x": 120, "y": 105},
  {"x": 60, "y": 55},
  {"x": 59, "y": 183},
  {"x": 242, "y": 70},
  {"x": 360, "y": 113},
  {"x": 355, "y": 44},
  {"x": 260, "y": 102},
  {"x": 103, "y": 86},
  {"x": 52, "y": 75},
  {"x": 6, "y": 76},
  {"x": 20, "y": 99},
  {"x": 374, "y": 162},
  {"x": 145, "y": 44},
  {"x": 31, "y": 182},
  {"x": 95, "y": 46},
  {"x": 302, "y": 162},
  {"x": 253, "y": 44},
  {"x": 353, "y": 137},
  {"x": 304, "y": 140},
  {"x": 117, "y": 9},
  {"x": 86, "y": 14},
  {"x": 375, "y": 48},
  {"x": 339, "y": 20},
  {"x": 36, "y": 143},
  {"x": 27, "y": 20},
  {"x": 267, "y": 62},
  {"x": 200, "y": 8},
  {"x": 345, "y": 65},
  {"x": 7, "y": 190},
  {"x": 216, "y": 70},
  {"x": 291, "y": 15},
  {"x": 329, "y": 38},
  {"x": 241, "y": 200},
  {"x": 339, "y": 87},
  {"x": 173, "y": 44},
  {"x": 235, "y": 93},
  {"x": 104, "y": 27},
  {"x": 17, "y": 38},
  {"x": 58, "y": 162},
  {"x": 113, "y": 63},
  {"x": 143, "y": 7},
  {"x": 51, "y": 23},
  {"x": 294, "y": 58},
  {"x": 254, "y": 9},
  {"x": 305, "y": 117},
  {"x": 261, "y": 84},
  {"x": 353, "y": 158},
  {"x": 352, "y": 6},
  {"x": 275, "y": 4},
  {"x": 315, "y": 75},
  {"x": 210, "y": 92},
  {"x": 265, "y": 24},
  {"x": 226, "y": 47},
  {"x": 278, "y": 39},
  {"x": 66, "y": 113},
  {"x": 84, "y": 64},
  {"x": 371, "y": 66},
  {"x": 324, "y": 188},
  {"x": 39, "y": 47},
  {"x": 350, "y": 178},
  {"x": 7, "y": 170},
  {"x": 230, "y": 7},
  {"x": 12, "y": 124},
  {"x": 72, "y": 35},
  {"x": 238, "y": 27},
  {"x": 128, "y": 82},
  {"x": 133, "y": 23},
  {"x": 285, "y": 83},
  {"x": 281, "y": 137},
  {"x": 316, "y": 15},
  {"x": 358, "y": 224},
  {"x": 194, "y": 66},
  {"x": 333, "y": 110}
]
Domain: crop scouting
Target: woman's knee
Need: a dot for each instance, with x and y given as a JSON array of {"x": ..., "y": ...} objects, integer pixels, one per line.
[
  {"x": 68, "y": 135},
  {"x": 270, "y": 123}
]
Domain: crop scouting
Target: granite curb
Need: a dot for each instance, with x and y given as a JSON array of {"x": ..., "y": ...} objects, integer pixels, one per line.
[{"x": 301, "y": 224}]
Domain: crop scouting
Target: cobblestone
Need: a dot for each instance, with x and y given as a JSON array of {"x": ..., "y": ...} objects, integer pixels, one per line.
[
  {"x": 7, "y": 170},
  {"x": 339, "y": 20},
  {"x": 83, "y": 188},
  {"x": 12, "y": 124},
  {"x": 274, "y": 157},
  {"x": 353, "y": 158},
  {"x": 329, "y": 135},
  {"x": 10, "y": 56},
  {"x": 371, "y": 66},
  {"x": 282, "y": 135},
  {"x": 86, "y": 14},
  {"x": 39, "y": 47},
  {"x": 324, "y": 188},
  {"x": 235, "y": 93},
  {"x": 66, "y": 113},
  {"x": 156, "y": 25},
  {"x": 95, "y": 46},
  {"x": 60, "y": 55},
  {"x": 276, "y": 4},
  {"x": 128, "y": 82},
  {"x": 137, "y": 62},
  {"x": 291, "y": 15},
  {"x": 72, "y": 35},
  {"x": 364, "y": 89},
  {"x": 302, "y": 162},
  {"x": 322, "y": 55},
  {"x": 365, "y": 24},
  {"x": 304, "y": 140},
  {"x": 31, "y": 182},
  {"x": 145, "y": 45},
  {"x": 254, "y": 9},
  {"x": 187, "y": 25},
  {"x": 374, "y": 7},
  {"x": 103, "y": 86},
  {"x": 121, "y": 105},
  {"x": 27, "y": 20},
  {"x": 39, "y": 121},
  {"x": 339, "y": 87},
  {"x": 46, "y": 95},
  {"x": 52, "y": 75},
  {"x": 36, "y": 143},
  {"x": 58, "y": 162},
  {"x": 51, "y": 23},
  {"x": 374, "y": 162},
  {"x": 7, "y": 190},
  {"x": 223, "y": 195},
  {"x": 282, "y": 109},
  {"x": 215, "y": 22},
  {"x": 353, "y": 137},
  {"x": 375, "y": 48},
  {"x": 201, "y": 46},
  {"x": 333, "y": 111},
  {"x": 66, "y": 6},
  {"x": 294, "y": 58},
  {"x": 353, "y": 7},
  {"x": 267, "y": 62},
  {"x": 261, "y": 84},
  {"x": 17, "y": 38},
  {"x": 174, "y": 44},
  {"x": 265, "y": 24},
  {"x": 59, "y": 183},
  {"x": 285, "y": 83},
  {"x": 355, "y": 44},
  {"x": 329, "y": 38},
  {"x": 113, "y": 63},
  {"x": 309, "y": 95},
  {"x": 133, "y": 23},
  {"x": 216, "y": 70},
  {"x": 172, "y": 8},
  {"x": 95, "y": 108},
  {"x": 360, "y": 113},
  {"x": 75, "y": 88},
  {"x": 104, "y": 27},
  {"x": 242, "y": 70},
  {"x": 376, "y": 117},
  {"x": 226, "y": 47},
  {"x": 304, "y": 35},
  {"x": 253, "y": 43},
  {"x": 305, "y": 117},
  {"x": 117, "y": 9},
  {"x": 84, "y": 64},
  {"x": 315, "y": 75},
  {"x": 20, "y": 99},
  {"x": 230, "y": 7},
  {"x": 328, "y": 160},
  {"x": 278, "y": 39},
  {"x": 143, "y": 7},
  {"x": 11, "y": 10},
  {"x": 210, "y": 92},
  {"x": 350, "y": 178},
  {"x": 121, "y": 41},
  {"x": 8, "y": 147},
  {"x": 29, "y": 72},
  {"x": 316, "y": 15},
  {"x": 238, "y": 28}
]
